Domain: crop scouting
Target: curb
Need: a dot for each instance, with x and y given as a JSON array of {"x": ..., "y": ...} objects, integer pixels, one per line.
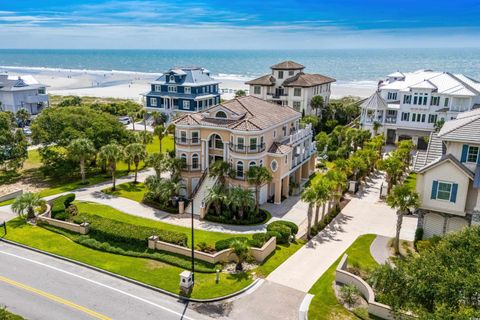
[
  {"x": 303, "y": 311},
  {"x": 141, "y": 284}
]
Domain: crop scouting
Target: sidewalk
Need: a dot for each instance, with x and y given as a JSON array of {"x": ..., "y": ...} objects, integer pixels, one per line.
[{"x": 363, "y": 214}]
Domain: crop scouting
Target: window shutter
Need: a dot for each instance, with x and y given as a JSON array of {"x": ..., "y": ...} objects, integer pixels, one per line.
[
  {"x": 464, "y": 153},
  {"x": 434, "y": 190},
  {"x": 453, "y": 196}
]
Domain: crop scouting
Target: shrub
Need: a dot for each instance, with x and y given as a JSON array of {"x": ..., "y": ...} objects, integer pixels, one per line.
[
  {"x": 418, "y": 235},
  {"x": 205, "y": 247},
  {"x": 283, "y": 231},
  {"x": 259, "y": 239},
  {"x": 225, "y": 243},
  {"x": 293, "y": 227},
  {"x": 42, "y": 207},
  {"x": 71, "y": 211},
  {"x": 59, "y": 204},
  {"x": 349, "y": 294},
  {"x": 274, "y": 234},
  {"x": 228, "y": 218},
  {"x": 104, "y": 229}
]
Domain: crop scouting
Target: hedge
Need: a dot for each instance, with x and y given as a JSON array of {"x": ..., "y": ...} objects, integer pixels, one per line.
[
  {"x": 250, "y": 220},
  {"x": 225, "y": 243},
  {"x": 284, "y": 232},
  {"x": 292, "y": 226},
  {"x": 58, "y": 206},
  {"x": 259, "y": 239},
  {"x": 107, "y": 230}
]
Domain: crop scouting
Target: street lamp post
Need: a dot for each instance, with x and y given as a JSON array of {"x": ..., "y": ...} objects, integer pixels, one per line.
[{"x": 193, "y": 248}]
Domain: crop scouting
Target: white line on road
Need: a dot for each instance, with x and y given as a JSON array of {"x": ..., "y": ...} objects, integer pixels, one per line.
[{"x": 99, "y": 284}]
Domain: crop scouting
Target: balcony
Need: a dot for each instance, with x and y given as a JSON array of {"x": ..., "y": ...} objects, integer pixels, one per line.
[
  {"x": 247, "y": 149},
  {"x": 38, "y": 98},
  {"x": 298, "y": 135},
  {"x": 190, "y": 168},
  {"x": 391, "y": 120},
  {"x": 277, "y": 95},
  {"x": 188, "y": 142}
]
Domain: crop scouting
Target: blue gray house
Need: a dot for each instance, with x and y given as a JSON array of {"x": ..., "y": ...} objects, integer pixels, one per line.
[{"x": 183, "y": 90}]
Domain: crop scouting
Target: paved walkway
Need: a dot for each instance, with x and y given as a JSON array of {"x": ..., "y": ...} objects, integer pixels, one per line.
[
  {"x": 380, "y": 250},
  {"x": 363, "y": 214}
]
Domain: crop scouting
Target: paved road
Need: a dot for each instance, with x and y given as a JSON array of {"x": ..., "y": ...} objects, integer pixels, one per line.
[
  {"x": 40, "y": 287},
  {"x": 363, "y": 214}
]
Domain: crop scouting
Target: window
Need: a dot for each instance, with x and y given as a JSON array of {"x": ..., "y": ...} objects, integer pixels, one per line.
[
  {"x": 414, "y": 116},
  {"x": 444, "y": 190},
  {"x": 392, "y": 96},
  {"x": 187, "y": 90},
  {"x": 253, "y": 144},
  {"x": 252, "y": 164},
  {"x": 280, "y": 74},
  {"x": 445, "y": 104},
  {"x": 297, "y": 105},
  {"x": 195, "y": 137},
  {"x": 432, "y": 118},
  {"x": 172, "y": 78},
  {"x": 186, "y": 104},
  {"x": 423, "y": 117},
  {"x": 286, "y": 159},
  {"x": 218, "y": 142},
  {"x": 297, "y": 92},
  {"x": 435, "y": 101},
  {"x": 183, "y": 136},
  {"x": 415, "y": 99},
  {"x": 157, "y": 88},
  {"x": 183, "y": 157},
  {"x": 239, "y": 169},
  {"x": 240, "y": 143},
  {"x": 257, "y": 90},
  {"x": 220, "y": 114},
  {"x": 172, "y": 89},
  {"x": 284, "y": 129},
  {"x": 274, "y": 165},
  {"x": 405, "y": 116},
  {"x": 41, "y": 91},
  {"x": 274, "y": 133},
  {"x": 472, "y": 154},
  {"x": 153, "y": 102},
  {"x": 407, "y": 99},
  {"x": 261, "y": 163},
  {"x": 195, "y": 161}
]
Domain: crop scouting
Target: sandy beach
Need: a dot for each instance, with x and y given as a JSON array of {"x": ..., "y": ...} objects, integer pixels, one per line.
[{"x": 131, "y": 85}]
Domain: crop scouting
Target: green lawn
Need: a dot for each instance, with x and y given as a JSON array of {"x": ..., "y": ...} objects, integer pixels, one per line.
[
  {"x": 33, "y": 161},
  {"x": 148, "y": 271},
  {"x": 325, "y": 305},
  {"x": 111, "y": 213},
  {"x": 129, "y": 190}
]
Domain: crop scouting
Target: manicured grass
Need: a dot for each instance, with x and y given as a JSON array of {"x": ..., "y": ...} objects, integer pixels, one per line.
[
  {"x": 129, "y": 190},
  {"x": 282, "y": 253},
  {"x": 152, "y": 272},
  {"x": 33, "y": 161},
  {"x": 167, "y": 144},
  {"x": 325, "y": 305},
  {"x": 411, "y": 181},
  {"x": 111, "y": 213}
]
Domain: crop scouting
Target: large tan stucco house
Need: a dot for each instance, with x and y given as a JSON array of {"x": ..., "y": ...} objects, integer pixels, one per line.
[
  {"x": 448, "y": 176},
  {"x": 244, "y": 132},
  {"x": 288, "y": 85}
]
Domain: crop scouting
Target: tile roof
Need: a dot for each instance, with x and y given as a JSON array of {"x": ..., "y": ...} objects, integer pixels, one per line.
[
  {"x": 279, "y": 148},
  {"x": 451, "y": 158},
  {"x": 465, "y": 128},
  {"x": 287, "y": 65},
  {"x": 307, "y": 80},
  {"x": 251, "y": 114},
  {"x": 266, "y": 80}
]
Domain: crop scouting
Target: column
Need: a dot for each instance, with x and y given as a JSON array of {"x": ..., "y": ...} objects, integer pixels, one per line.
[
  {"x": 278, "y": 192},
  {"x": 286, "y": 186},
  {"x": 207, "y": 162},
  {"x": 226, "y": 146},
  {"x": 304, "y": 169},
  {"x": 203, "y": 155},
  {"x": 298, "y": 175}
]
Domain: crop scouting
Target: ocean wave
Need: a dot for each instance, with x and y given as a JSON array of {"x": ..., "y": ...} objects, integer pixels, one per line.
[
  {"x": 70, "y": 70},
  {"x": 235, "y": 77},
  {"x": 357, "y": 83}
]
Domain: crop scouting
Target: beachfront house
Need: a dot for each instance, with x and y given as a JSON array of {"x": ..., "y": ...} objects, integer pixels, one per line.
[
  {"x": 407, "y": 105},
  {"x": 22, "y": 93},
  {"x": 181, "y": 90},
  {"x": 245, "y": 132},
  {"x": 448, "y": 176},
  {"x": 288, "y": 85}
]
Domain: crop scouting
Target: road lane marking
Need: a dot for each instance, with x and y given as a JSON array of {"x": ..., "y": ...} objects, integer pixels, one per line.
[
  {"x": 181, "y": 315},
  {"x": 54, "y": 298}
]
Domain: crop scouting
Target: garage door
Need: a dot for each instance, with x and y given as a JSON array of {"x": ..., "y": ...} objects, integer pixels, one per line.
[
  {"x": 433, "y": 225},
  {"x": 456, "y": 224},
  {"x": 263, "y": 194}
]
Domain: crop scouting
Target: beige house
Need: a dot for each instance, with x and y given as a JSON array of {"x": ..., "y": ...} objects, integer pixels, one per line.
[
  {"x": 288, "y": 85},
  {"x": 244, "y": 132},
  {"x": 448, "y": 176}
]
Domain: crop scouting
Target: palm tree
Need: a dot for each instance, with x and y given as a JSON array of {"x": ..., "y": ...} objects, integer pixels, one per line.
[
  {"x": 338, "y": 180},
  {"x": 175, "y": 166},
  {"x": 402, "y": 198},
  {"x": 111, "y": 154},
  {"x": 322, "y": 193},
  {"x": 240, "y": 93},
  {"x": 241, "y": 250},
  {"x": 135, "y": 153},
  {"x": 393, "y": 166},
  {"x": 133, "y": 116},
  {"x": 80, "y": 150},
  {"x": 241, "y": 199},
  {"x": 26, "y": 202},
  {"x": 159, "y": 131},
  {"x": 159, "y": 162},
  {"x": 359, "y": 166},
  {"x": 309, "y": 196},
  {"x": 258, "y": 176},
  {"x": 145, "y": 137},
  {"x": 376, "y": 126},
  {"x": 23, "y": 116},
  {"x": 143, "y": 113},
  {"x": 216, "y": 196},
  {"x": 221, "y": 170},
  {"x": 317, "y": 103}
]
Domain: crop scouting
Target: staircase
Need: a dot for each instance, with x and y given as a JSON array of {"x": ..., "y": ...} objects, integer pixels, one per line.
[
  {"x": 200, "y": 193},
  {"x": 434, "y": 151}
]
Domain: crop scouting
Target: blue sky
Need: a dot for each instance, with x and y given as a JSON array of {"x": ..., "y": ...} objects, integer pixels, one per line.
[{"x": 249, "y": 24}]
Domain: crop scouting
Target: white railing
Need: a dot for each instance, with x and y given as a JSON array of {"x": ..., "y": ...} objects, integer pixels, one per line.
[
  {"x": 37, "y": 98},
  {"x": 297, "y": 136}
]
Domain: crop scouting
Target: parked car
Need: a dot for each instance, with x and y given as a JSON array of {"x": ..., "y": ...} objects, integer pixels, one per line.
[
  {"x": 27, "y": 131},
  {"x": 124, "y": 120}
]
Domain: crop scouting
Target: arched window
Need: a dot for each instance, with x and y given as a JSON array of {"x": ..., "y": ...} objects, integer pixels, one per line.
[
  {"x": 274, "y": 165},
  {"x": 261, "y": 163},
  {"x": 220, "y": 114},
  {"x": 183, "y": 157},
  {"x": 240, "y": 169},
  {"x": 195, "y": 161},
  {"x": 172, "y": 78},
  {"x": 252, "y": 164}
]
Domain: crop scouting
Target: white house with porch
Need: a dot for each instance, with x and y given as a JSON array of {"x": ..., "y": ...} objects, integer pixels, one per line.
[{"x": 22, "y": 93}]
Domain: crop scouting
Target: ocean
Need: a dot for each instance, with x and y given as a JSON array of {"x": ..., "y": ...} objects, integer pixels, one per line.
[{"x": 348, "y": 66}]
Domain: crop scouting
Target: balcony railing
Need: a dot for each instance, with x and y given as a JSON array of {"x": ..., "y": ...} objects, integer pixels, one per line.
[
  {"x": 298, "y": 135},
  {"x": 190, "y": 168},
  {"x": 240, "y": 148},
  {"x": 185, "y": 141},
  {"x": 277, "y": 95},
  {"x": 299, "y": 158},
  {"x": 38, "y": 98},
  {"x": 391, "y": 120}
]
